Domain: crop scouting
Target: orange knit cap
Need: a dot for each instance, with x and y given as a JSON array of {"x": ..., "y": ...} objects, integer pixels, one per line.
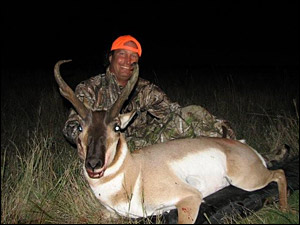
[{"x": 120, "y": 42}]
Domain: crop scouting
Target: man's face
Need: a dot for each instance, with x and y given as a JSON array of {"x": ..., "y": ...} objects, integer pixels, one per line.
[{"x": 121, "y": 63}]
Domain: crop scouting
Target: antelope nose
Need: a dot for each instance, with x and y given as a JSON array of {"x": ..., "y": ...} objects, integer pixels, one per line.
[{"x": 93, "y": 163}]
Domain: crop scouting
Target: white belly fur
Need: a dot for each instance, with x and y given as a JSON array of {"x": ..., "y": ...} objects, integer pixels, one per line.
[{"x": 206, "y": 170}]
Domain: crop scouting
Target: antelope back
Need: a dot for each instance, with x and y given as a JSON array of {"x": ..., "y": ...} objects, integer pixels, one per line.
[{"x": 99, "y": 130}]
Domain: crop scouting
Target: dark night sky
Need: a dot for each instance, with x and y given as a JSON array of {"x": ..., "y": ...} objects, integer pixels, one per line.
[{"x": 181, "y": 34}]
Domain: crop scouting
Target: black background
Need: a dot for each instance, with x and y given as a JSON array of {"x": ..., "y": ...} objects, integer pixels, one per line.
[{"x": 172, "y": 34}]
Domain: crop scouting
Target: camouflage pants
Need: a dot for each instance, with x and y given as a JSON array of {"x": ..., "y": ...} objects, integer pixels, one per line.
[{"x": 188, "y": 122}]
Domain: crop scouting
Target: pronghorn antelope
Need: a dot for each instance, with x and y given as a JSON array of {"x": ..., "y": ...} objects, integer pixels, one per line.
[{"x": 175, "y": 174}]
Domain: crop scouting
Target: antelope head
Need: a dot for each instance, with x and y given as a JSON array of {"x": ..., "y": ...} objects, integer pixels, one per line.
[{"x": 99, "y": 130}]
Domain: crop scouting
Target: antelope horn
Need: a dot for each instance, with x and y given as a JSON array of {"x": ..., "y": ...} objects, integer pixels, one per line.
[
  {"x": 116, "y": 108},
  {"x": 67, "y": 92}
]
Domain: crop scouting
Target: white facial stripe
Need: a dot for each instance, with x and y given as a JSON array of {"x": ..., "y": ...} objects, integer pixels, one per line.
[
  {"x": 115, "y": 168},
  {"x": 110, "y": 153}
]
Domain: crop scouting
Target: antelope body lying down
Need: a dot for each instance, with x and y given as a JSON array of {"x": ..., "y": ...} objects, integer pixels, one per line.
[{"x": 175, "y": 174}]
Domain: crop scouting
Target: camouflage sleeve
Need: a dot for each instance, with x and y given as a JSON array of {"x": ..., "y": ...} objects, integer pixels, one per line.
[
  {"x": 156, "y": 102},
  {"x": 86, "y": 92}
]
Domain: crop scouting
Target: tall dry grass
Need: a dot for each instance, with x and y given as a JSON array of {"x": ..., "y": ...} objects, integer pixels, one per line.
[{"x": 41, "y": 180}]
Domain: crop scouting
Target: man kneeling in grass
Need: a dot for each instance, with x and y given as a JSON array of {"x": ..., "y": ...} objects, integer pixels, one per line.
[{"x": 157, "y": 119}]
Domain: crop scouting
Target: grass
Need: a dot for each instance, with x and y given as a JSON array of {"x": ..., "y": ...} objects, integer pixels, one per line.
[
  {"x": 271, "y": 214},
  {"x": 41, "y": 177}
]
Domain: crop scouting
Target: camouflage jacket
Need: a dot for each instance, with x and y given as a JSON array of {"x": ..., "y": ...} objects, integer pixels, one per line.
[{"x": 158, "y": 118}]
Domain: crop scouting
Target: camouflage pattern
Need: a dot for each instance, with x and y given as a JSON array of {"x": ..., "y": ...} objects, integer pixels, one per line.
[{"x": 157, "y": 119}]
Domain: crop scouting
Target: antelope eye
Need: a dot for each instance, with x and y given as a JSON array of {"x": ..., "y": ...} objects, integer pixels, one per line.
[
  {"x": 79, "y": 128},
  {"x": 117, "y": 128}
]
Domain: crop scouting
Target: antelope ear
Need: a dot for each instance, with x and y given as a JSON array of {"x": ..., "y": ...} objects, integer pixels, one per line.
[{"x": 126, "y": 118}]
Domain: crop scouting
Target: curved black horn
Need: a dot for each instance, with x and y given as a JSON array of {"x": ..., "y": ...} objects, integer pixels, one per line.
[{"x": 67, "y": 92}]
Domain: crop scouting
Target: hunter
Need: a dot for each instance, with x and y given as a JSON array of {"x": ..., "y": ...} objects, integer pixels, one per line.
[{"x": 158, "y": 119}]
